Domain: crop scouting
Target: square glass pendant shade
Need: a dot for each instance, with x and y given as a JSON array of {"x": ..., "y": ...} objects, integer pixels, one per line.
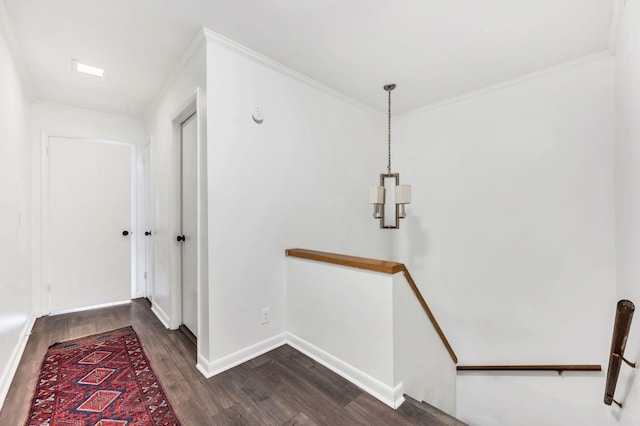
[
  {"x": 376, "y": 197},
  {"x": 376, "y": 194},
  {"x": 389, "y": 199},
  {"x": 403, "y": 194}
]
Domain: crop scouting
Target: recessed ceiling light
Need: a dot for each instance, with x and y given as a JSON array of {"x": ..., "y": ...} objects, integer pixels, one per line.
[{"x": 86, "y": 69}]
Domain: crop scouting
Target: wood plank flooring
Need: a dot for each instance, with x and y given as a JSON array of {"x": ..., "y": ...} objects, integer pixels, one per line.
[{"x": 281, "y": 387}]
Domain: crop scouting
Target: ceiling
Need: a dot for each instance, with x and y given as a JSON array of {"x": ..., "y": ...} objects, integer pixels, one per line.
[{"x": 433, "y": 50}]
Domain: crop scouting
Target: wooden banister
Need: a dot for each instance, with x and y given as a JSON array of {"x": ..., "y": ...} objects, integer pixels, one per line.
[
  {"x": 558, "y": 368},
  {"x": 621, "y": 326},
  {"x": 384, "y": 266},
  {"x": 416, "y": 291}
]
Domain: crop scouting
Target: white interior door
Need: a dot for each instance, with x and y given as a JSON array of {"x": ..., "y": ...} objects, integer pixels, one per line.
[
  {"x": 189, "y": 223},
  {"x": 89, "y": 210}
]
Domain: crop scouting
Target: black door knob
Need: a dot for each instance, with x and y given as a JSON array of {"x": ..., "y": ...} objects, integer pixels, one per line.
[
  {"x": 147, "y": 232},
  {"x": 125, "y": 233},
  {"x": 180, "y": 238}
]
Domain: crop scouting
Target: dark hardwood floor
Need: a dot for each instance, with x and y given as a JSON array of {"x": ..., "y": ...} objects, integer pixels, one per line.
[{"x": 281, "y": 387}]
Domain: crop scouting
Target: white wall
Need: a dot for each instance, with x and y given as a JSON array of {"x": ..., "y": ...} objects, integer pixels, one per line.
[
  {"x": 15, "y": 212},
  {"x": 299, "y": 179},
  {"x": 421, "y": 360},
  {"x": 511, "y": 231},
  {"x": 344, "y": 318},
  {"x": 627, "y": 159},
  {"x": 64, "y": 121}
]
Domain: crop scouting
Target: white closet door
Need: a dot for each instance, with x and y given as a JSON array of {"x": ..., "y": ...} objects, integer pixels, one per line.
[
  {"x": 90, "y": 209},
  {"x": 189, "y": 225}
]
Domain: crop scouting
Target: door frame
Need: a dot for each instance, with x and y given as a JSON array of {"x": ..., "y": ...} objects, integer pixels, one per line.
[
  {"x": 193, "y": 120},
  {"x": 193, "y": 103},
  {"x": 145, "y": 223},
  {"x": 187, "y": 109},
  {"x": 45, "y": 224}
]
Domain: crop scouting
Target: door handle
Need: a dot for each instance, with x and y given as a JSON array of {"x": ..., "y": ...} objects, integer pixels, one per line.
[
  {"x": 180, "y": 238},
  {"x": 125, "y": 233},
  {"x": 147, "y": 233}
]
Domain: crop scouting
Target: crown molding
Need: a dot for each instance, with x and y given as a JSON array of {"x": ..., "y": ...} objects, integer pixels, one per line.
[
  {"x": 71, "y": 108},
  {"x": 197, "y": 44},
  {"x": 14, "y": 50},
  {"x": 222, "y": 41},
  {"x": 602, "y": 55},
  {"x": 617, "y": 16}
]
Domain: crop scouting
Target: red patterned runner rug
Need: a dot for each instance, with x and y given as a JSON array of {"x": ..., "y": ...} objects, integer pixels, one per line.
[{"x": 101, "y": 380}]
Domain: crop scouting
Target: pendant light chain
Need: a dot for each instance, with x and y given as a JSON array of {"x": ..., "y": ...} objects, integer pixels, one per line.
[
  {"x": 402, "y": 193},
  {"x": 389, "y": 163}
]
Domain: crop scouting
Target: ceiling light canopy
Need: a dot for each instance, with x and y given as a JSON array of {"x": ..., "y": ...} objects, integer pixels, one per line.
[{"x": 86, "y": 69}]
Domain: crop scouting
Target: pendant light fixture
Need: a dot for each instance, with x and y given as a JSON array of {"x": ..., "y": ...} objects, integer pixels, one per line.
[{"x": 389, "y": 193}]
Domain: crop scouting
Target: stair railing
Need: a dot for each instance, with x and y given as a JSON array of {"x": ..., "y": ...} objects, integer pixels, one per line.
[
  {"x": 384, "y": 266},
  {"x": 621, "y": 326},
  {"x": 557, "y": 367}
]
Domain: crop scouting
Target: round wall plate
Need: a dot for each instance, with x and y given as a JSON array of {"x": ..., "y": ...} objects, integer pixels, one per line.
[{"x": 257, "y": 116}]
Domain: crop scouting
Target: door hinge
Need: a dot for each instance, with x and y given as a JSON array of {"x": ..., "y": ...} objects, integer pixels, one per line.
[
  {"x": 145, "y": 275},
  {"x": 49, "y": 287},
  {"x": 48, "y": 150}
]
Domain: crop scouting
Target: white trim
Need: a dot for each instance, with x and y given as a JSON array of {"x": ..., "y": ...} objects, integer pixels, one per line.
[
  {"x": 14, "y": 50},
  {"x": 96, "y": 140},
  {"x": 45, "y": 243},
  {"x": 202, "y": 277},
  {"x": 202, "y": 365},
  {"x": 40, "y": 235},
  {"x": 605, "y": 54},
  {"x": 161, "y": 314},
  {"x": 211, "y": 368},
  {"x": 56, "y": 105},
  {"x": 220, "y": 40},
  {"x": 186, "y": 108},
  {"x": 88, "y": 308},
  {"x": 196, "y": 45},
  {"x": 398, "y": 395},
  {"x": 14, "y": 360},
  {"x": 391, "y": 396},
  {"x": 617, "y": 16},
  {"x": 133, "y": 219},
  {"x": 148, "y": 192}
]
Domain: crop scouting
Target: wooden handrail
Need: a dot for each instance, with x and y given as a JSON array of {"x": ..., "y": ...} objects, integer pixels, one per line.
[
  {"x": 383, "y": 266},
  {"x": 558, "y": 368},
  {"x": 416, "y": 291},
  {"x": 621, "y": 326}
]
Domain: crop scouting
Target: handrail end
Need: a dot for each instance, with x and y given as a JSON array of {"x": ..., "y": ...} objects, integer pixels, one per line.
[{"x": 626, "y": 306}]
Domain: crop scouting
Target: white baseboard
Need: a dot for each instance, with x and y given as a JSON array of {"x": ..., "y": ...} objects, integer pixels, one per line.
[
  {"x": 211, "y": 368},
  {"x": 88, "y": 308},
  {"x": 202, "y": 364},
  {"x": 162, "y": 315},
  {"x": 391, "y": 396},
  {"x": 398, "y": 395},
  {"x": 14, "y": 360}
]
